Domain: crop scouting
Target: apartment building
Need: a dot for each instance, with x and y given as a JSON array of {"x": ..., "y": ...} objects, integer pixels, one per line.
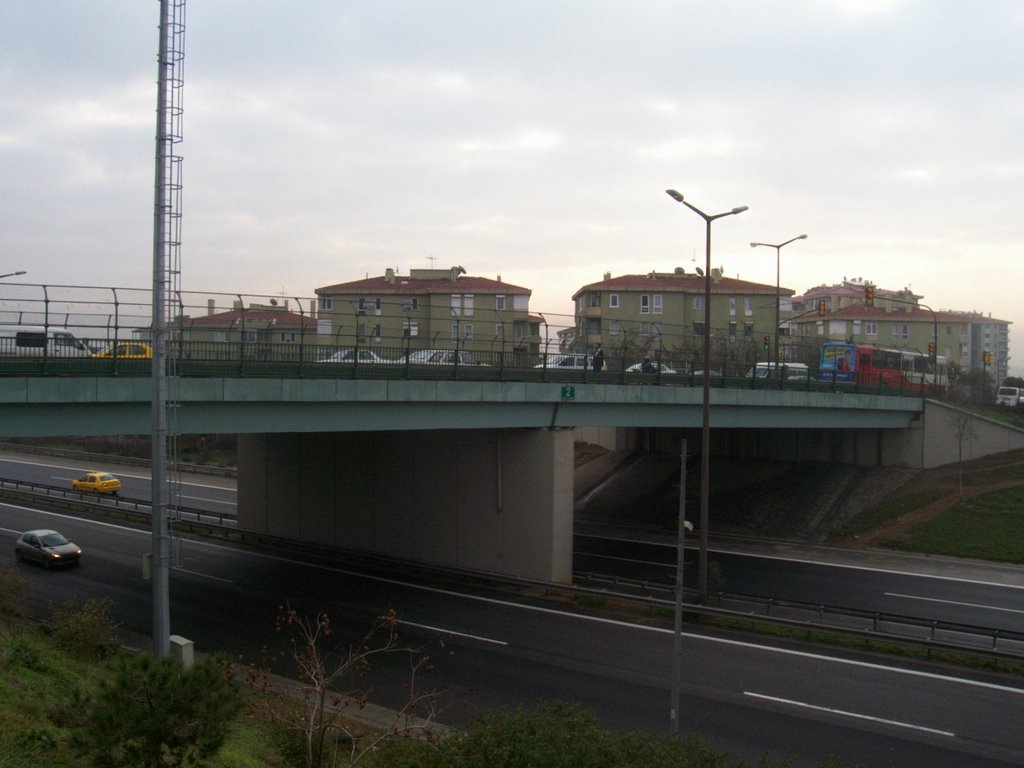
[
  {"x": 429, "y": 309},
  {"x": 855, "y": 310},
  {"x": 661, "y": 314}
]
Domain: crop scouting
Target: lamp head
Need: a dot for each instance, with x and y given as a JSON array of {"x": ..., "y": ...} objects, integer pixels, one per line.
[
  {"x": 802, "y": 237},
  {"x": 741, "y": 209},
  {"x": 674, "y": 195}
]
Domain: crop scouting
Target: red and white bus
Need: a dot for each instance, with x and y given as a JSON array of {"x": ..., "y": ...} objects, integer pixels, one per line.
[{"x": 870, "y": 366}]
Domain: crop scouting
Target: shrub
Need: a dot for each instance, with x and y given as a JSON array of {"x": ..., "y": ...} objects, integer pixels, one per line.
[
  {"x": 154, "y": 712},
  {"x": 13, "y": 589},
  {"x": 85, "y": 630}
]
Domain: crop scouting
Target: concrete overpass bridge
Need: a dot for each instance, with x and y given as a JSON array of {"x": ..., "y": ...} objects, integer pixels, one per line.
[{"x": 476, "y": 474}]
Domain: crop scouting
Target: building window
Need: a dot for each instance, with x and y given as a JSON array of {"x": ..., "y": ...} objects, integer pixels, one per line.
[
  {"x": 220, "y": 335},
  {"x": 499, "y": 330},
  {"x": 411, "y": 303},
  {"x": 870, "y": 327},
  {"x": 593, "y": 326},
  {"x": 901, "y": 331},
  {"x": 645, "y": 304},
  {"x": 698, "y": 301},
  {"x": 248, "y": 335},
  {"x": 326, "y": 303},
  {"x": 376, "y": 332},
  {"x": 748, "y": 306},
  {"x": 657, "y": 303},
  {"x": 732, "y": 330},
  {"x": 856, "y": 327},
  {"x": 732, "y": 306},
  {"x": 288, "y": 338},
  {"x": 499, "y": 303},
  {"x": 518, "y": 330},
  {"x": 455, "y": 331},
  {"x": 645, "y": 331},
  {"x": 698, "y": 328},
  {"x": 462, "y": 304},
  {"x": 467, "y": 331},
  {"x": 595, "y": 300},
  {"x": 748, "y": 331},
  {"x": 361, "y": 331},
  {"x": 410, "y": 328},
  {"x": 377, "y": 304},
  {"x": 613, "y": 300},
  {"x": 614, "y": 328},
  {"x": 821, "y": 327}
]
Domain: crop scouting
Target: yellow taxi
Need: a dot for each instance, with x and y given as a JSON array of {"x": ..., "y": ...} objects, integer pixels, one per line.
[
  {"x": 129, "y": 350},
  {"x": 97, "y": 482}
]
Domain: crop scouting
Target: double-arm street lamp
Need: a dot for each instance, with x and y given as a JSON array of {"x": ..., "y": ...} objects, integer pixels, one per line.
[
  {"x": 705, "y": 434},
  {"x": 778, "y": 289}
]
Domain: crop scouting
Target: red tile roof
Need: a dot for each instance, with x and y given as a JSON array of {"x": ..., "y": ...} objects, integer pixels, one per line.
[
  {"x": 405, "y": 285},
  {"x": 277, "y": 317},
  {"x": 689, "y": 283}
]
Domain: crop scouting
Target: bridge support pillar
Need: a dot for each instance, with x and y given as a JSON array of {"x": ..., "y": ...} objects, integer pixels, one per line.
[{"x": 497, "y": 500}]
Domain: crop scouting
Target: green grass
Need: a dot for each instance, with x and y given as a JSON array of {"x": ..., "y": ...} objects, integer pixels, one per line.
[
  {"x": 880, "y": 514},
  {"x": 990, "y": 527},
  {"x": 41, "y": 690}
]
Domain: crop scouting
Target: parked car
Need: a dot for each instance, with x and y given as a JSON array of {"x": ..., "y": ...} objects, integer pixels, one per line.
[
  {"x": 649, "y": 366},
  {"x": 574, "y": 362},
  {"x": 1009, "y": 396},
  {"x": 47, "y": 547},
  {"x": 129, "y": 350},
  {"x": 789, "y": 371},
  {"x": 364, "y": 357},
  {"x": 97, "y": 482},
  {"x": 40, "y": 341},
  {"x": 441, "y": 357}
]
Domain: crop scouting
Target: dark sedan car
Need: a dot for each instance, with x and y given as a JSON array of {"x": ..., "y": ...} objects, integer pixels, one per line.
[{"x": 47, "y": 547}]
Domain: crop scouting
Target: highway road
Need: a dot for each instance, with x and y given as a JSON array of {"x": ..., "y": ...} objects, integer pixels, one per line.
[
  {"x": 989, "y": 596},
  {"x": 210, "y": 493},
  {"x": 748, "y": 697},
  {"x": 987, "y": 600}
]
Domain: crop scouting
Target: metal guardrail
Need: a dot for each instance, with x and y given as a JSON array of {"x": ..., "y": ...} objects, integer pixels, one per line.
[
  {"x": 119, "y": 506},
  {"x": 869, "y": 625},
  {"x": 266, "y": 360},
  {"x": 106, "y": 459}
]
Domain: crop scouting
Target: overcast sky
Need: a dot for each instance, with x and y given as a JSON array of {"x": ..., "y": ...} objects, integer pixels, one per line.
[{"x": 325, "y": 141}]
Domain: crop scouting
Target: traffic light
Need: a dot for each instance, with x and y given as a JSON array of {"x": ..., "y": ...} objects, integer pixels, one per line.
[
  {"x": 766, "y": 342},
  {"x": 986, "y": 358},
  {"x": 931, "y": 348},
  {"x": 869, "y": 295},
  {"x": 821, "y": 306}
]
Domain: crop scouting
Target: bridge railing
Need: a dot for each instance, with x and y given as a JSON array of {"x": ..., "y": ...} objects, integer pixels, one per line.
[{"x": 280, "y": 360}]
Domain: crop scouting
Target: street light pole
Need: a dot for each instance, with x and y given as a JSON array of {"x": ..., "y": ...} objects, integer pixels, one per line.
[
  {"x": 705, "y": 431},
  {"x": 13, "y": 274},
  {"x": 778, "y": 290}
]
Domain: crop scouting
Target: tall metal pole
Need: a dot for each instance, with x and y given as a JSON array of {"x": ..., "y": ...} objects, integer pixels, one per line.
[
  {"x": 778, "y": 292},
  {"x": 161, "y": 548},
  {"x": 705, "y": 432},
  {"x": 677, "y": 631}
]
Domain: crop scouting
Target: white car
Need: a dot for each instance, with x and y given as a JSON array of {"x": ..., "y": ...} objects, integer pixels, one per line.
[
  {"x": 649, "y": 366},
  {"x": 572, "y": 362},
  {"x": 365, "y": 357},
  {"x": 441, "y": 357}
]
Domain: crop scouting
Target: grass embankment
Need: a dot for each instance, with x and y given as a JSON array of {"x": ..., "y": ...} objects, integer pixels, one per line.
[{"x": 974, "y": 510}]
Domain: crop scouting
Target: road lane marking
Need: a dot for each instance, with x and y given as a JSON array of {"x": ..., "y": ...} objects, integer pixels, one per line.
[
  {"x": 843, "y": 713},
  {"x": 952, "y": 602},
  {"x": 452, "y": 632},
  {"x": 1018, "y": 691}
]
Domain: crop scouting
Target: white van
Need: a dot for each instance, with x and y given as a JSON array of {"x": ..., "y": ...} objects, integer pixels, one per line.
[
  {"x": 38, "y": 340},
  {"x": 1008, "y": 396},
  {"x": 790, "y": 371}
]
